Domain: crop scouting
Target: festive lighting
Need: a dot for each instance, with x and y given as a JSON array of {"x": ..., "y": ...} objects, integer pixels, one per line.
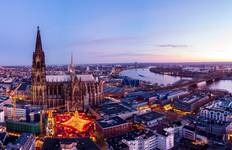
[{"x": 73, "y": 125}]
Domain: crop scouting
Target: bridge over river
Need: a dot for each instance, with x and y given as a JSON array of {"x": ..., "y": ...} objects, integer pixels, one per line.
[
  {"x": 171, "y": 82},
  {"x": 208, "y": 79}
]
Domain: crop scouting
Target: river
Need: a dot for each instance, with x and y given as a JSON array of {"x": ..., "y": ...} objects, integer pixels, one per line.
[
  {"x": 222, "y": 85},
  {"x": 144, "y": 74}
]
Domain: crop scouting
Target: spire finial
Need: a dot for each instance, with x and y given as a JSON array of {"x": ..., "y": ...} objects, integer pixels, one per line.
[
  {"x": 71, "y": 67},
  {"x": 38, "y": 45}
]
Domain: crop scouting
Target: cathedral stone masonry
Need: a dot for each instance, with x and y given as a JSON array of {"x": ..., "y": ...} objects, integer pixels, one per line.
[{"x": 69, "y": 91}]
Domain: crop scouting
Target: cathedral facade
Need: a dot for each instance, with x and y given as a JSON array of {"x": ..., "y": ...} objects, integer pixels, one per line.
[{"x": 69, "y": 91}]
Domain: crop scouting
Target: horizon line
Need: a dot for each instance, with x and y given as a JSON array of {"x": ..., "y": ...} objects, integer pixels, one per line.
[{"x": 181, "y": 62}]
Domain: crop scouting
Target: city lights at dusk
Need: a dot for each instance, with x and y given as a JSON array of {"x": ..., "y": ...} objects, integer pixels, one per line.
[{"x": 116, "y": 75}]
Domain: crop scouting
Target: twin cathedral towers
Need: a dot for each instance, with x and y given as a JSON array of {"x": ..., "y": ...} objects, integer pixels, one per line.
[{"x": 69, "y": 91}]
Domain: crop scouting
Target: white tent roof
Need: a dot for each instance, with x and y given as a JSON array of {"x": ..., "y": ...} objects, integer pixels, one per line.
[{"x": 65, "y": 78}]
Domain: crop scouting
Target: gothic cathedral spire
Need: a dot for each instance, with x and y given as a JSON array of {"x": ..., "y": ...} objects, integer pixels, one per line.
[
  {"x": 38, "y": 76},
  {"x": 38, "y": 45},
  {"x": 71, "y": 68}
]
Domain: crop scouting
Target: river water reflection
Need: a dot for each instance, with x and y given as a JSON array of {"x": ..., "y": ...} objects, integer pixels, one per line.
[
  {"x": 145, "y": 75},
  {"x": 222, "y": 85}
]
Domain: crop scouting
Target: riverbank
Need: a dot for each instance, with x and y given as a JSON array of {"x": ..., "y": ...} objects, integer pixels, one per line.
[
  {"x": 176, "y": 72},
  {"x": 144, "y": 74}
]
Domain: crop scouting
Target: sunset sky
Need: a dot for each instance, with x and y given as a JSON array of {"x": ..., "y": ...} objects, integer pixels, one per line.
[{"x": 108, "y": 31}]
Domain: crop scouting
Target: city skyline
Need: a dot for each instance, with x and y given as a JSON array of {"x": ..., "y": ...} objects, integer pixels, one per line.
[
  {"x": 116, "y": 74},
  {"x": 117, "y": 31}
]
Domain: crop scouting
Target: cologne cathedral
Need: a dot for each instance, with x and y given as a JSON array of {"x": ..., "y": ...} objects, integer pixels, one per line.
[{"x": 69, "y": 91}]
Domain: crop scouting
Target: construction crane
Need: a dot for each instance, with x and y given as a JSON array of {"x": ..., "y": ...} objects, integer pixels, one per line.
[
  {"x": 13, "y": 96},
  {"x": 13, "y": 101}
]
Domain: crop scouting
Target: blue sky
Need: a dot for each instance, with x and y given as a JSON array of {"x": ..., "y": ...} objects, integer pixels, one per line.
[{"x": 104, "y": 31}]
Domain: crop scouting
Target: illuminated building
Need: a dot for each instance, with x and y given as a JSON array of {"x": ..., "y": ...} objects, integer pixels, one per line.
[
  {"x": 22, "y": 126},
  {"x": 38, "y": 74},
  {"x": 192, "y": 102},
  {"x": 229, "y": 133},
  {"x": 216, "y": 117},
  {"x": 139, "y": 100},
  {"x": 219, "y": 110},
  {"x": 168, "y": 96},
  {"x": 115, "y": 143},
  {"x": 176, "y": 94},
  {"x": 79, "y": 122},
  {"x": 20, "y": 111},
  {"x": 171, "y": 94},
  {"x": 115, "y": 92},
  {"x": 111, "y": 110},
  {"x": 75, "y": 92},
  {"x": 72, "y": 125},
  {"x": 189, "y": 132},
  {"x": 165, "y": 139},
  {"x": 112, "y": 126},
  {"x": 142, "y": 140},
  {"x": 150, "y": 119}
]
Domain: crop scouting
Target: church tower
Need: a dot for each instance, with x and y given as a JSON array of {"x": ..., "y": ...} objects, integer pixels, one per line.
[
  {"x": 71, "y": 67},
  {"x": 38, "y": 76}
]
